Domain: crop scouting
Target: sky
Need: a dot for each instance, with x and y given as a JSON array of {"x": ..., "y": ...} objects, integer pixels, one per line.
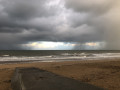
[{"x": 59, "y": 24}]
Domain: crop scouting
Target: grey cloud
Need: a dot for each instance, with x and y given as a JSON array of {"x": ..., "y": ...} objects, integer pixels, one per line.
[
  {"x": 90, "y": 6},
  {"x": 10, "y": 30},
  {"x": 23, "y": 21},
  {"x": 102, "y": 15},
  {"x": 11, "y": 47},
  {"x": 18, "y": 25},
  {"x": 24, "y": 9}
]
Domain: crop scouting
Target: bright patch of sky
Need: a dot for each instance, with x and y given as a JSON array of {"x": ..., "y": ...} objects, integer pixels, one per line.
[{"x": 47, "y": 45}]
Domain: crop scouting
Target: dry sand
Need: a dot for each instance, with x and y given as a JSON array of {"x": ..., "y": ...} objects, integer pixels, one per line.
[{"x": 102, "y": 73}]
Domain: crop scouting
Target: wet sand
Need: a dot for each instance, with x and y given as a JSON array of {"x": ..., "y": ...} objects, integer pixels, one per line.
[{"x": 101, "y": 73}]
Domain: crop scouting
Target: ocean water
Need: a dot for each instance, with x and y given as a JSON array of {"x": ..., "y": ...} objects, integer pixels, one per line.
[{"x": 11, "y": 56}]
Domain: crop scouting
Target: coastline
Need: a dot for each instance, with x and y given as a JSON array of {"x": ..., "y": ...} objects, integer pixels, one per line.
[{"x": 101, "y": 73}]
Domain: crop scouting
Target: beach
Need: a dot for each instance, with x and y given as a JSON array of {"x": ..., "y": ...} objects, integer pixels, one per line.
[{"x": 101, "y": 73}]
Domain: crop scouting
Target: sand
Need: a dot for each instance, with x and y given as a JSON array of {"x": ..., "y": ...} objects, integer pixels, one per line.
[{"x": 101, "y": 73}]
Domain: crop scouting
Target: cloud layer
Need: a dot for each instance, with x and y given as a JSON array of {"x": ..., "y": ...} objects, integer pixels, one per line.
[
  {"x": 103, "y": 16},
  {"x": 80, "y": 21}
]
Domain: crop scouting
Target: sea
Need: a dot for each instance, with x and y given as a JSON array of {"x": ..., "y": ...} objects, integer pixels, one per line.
[{"x": 28, "y": 56}]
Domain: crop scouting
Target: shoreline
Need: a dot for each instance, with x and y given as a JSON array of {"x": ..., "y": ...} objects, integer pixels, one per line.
[{"x": 101, "y": 73}]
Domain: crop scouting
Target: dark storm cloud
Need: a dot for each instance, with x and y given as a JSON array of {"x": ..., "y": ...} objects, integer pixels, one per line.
[
  {"x": 24, "y": 21},
  {"x": 24, "y": 9},
  {"x": 103, "y": 15},
  {"x": 11, "y": 47}
]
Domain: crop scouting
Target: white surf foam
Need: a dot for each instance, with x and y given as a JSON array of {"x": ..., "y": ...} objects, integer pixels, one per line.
[{"x": 64, "y": 56}]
